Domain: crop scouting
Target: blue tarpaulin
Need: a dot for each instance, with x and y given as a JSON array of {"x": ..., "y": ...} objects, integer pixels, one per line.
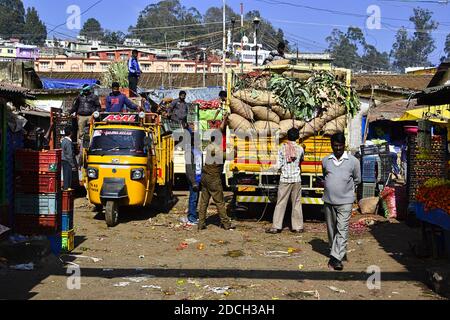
[{"x": 66, "y": 83}]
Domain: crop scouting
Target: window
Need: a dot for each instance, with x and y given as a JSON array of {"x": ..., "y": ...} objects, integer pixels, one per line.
[
  {"x": 60, "y": 65},
  {"x": 44, "y": 65},
  {"x": 10, "y": 51},
  {"x": 111, "y": 56},
  {"x": 175, "y": 67},
  {"x": 146, "y": 67},
  {"x": 189, "y": 68},
  {"x": 89, "y": 66},
  {"x": 105, "y": 66},
  {"x": 215, "y": 69},
  {"x": 144, "y": 55},
  {"x": 124, "y": 56}
]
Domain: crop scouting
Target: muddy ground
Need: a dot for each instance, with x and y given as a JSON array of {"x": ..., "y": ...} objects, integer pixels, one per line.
[{"x": 144, "y": 258}]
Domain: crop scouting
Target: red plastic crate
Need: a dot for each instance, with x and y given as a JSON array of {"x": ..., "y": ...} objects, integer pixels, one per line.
[
  {"x": 35, "y": 161},
  {"x": 29, "y": 225},
  {"x": 34, "y": 182},
  {"x": 67, "y": 200}
]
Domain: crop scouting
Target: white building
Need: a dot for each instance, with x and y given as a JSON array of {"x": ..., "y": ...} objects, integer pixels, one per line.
[
  {"x": 133, "y": 43},
  {"x": 246, "y": 51}
]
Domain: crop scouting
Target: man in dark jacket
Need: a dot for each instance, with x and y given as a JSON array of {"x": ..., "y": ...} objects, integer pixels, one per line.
[
  {"x": 68, "y": 162},
  {"x": 276, "y": 54},
  {"x": 178, "y": 109},
  {"x": 116, "y": 101},
  {"x": 134, "y": 72},
  {"x": 84, "y": 106}
]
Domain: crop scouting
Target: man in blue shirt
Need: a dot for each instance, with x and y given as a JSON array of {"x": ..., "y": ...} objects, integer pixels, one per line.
[
  {"x": 116, "y": 101},
  {"x": 134, "y": 72}
]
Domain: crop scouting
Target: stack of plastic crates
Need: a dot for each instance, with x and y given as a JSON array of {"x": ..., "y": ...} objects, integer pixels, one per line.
[
  {"x": 368, "y": 188},
  {"x": 37, "y": 205},
  {"x": 67, "y": 225}
]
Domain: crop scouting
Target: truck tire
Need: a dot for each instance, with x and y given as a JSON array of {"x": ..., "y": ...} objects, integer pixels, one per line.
[{"x": 112, "y": 213}]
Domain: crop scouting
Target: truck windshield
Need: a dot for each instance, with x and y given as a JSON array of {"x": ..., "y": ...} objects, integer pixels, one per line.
[{"x": 117, "y": 142}]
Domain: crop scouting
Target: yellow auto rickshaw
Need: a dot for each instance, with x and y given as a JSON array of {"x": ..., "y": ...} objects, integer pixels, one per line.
[{"x": 126, "y": 161}]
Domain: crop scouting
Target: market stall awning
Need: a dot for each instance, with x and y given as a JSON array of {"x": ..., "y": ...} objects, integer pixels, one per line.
[{"x": 437, "y": 114}]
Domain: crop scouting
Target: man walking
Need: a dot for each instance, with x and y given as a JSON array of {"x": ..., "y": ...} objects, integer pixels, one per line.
[
  {"x": 212, "y": 184},
  {"x": 68, "y": 162},
  {"x": 116, "y": 101},
  {"x": 290, "y": 157},
  {"x": 342, "y": 173},
  {"x": 83, "y": 107},
  {"x": 134, "y": 72}
]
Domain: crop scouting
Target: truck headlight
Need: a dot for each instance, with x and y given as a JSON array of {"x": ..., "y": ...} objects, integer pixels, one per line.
[
  {"x": 92, "y": 173},
  {"x": 137, "y": 174}
]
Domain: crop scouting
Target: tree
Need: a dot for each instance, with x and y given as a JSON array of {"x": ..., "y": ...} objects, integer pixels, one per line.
[
  {"x": 92, "y": 29},
  {"x": 35, "y": 31},
  {"x": 415, "y": 51},
  {"x": 113, "y": 37},
  {"x": 164, "y": 20},
  {"x": 12, "y": 19},
  {"x": 446, "y": 49},
  {"x": 268, "y": 35},
  {"x": 345, "y": 49}
]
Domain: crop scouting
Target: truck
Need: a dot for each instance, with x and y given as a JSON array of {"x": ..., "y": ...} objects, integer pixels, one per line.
[{"x": 249, "y": 173}]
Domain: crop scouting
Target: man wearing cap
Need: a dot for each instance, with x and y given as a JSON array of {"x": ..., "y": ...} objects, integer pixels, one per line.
[
  {"x": 116, "y": 100},
  {"x": 83, "y": 107}
]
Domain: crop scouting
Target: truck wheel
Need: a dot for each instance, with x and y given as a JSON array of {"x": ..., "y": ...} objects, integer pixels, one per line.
[{"x": 112, "y": 213}]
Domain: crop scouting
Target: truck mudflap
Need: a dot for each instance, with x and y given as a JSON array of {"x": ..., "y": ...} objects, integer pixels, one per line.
[{"x": 265, "y": 199}]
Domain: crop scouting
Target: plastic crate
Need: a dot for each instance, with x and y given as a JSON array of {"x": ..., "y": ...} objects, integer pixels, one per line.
[
  {"x": 68, "y": 198},
  {"x": 369, "y": 168},
  {"x": 35, "y": 161},
  {"x": 34, "y": 182},
  {"x": 55, "y": 243},
  {"x": 68, "y": 241},
  {"x": 29, "y": 225},
  {"x": 67, "y": 221},
  {"x": 368, "y": 190},
  {"x": 38, "y": 204}
]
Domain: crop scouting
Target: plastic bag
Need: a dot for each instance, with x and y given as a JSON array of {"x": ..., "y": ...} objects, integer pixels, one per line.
[{"x": 388, "y": 195}]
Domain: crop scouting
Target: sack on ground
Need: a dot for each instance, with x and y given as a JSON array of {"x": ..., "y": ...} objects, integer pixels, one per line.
[{"x": 369, "y": 205}]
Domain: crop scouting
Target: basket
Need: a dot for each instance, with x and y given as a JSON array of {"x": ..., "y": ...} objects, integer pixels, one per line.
[{"x": 369, "y": 166}]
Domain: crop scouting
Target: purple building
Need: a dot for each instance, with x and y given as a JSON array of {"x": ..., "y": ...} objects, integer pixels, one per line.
[{"x": 27, "y": 52}]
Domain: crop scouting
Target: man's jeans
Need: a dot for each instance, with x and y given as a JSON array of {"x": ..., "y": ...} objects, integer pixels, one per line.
[{"x": 193, "y": 202}]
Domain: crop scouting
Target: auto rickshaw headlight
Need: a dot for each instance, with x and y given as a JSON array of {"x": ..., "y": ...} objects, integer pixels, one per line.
[
  {"x": 96, "y": 114},
  {"x": 137, "y": 174},
  {"x": 92, "y": 173}
]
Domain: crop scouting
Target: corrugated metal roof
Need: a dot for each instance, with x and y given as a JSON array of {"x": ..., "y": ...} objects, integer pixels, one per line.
[
  {"x": 406, "y": 81},
  {"x": 391, "y": 110},
  {"x": 12, "y": 88}
]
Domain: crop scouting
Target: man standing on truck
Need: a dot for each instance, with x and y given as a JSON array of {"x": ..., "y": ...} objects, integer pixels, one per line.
[
  {"x": 276, "y": 54},
  {"x": 116, "y": 101},
  {"x": 134, "y": 72},
  {"x": 342, "y": 173},
  {"x": 178, "y": 110},
  {"x": 211, "y": 183},
  {"x": 83, "y": 107},
  {"x": 290, "y": 157}
]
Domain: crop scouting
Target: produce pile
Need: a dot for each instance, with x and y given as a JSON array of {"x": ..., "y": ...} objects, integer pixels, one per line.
[
  {"x": 208, "y": 105},
  {"x": 318, "y": 104},
  {"x": 435, "y": 194}
]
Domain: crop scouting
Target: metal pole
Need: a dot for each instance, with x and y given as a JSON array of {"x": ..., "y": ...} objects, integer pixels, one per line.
[
  {"x": 224, "y": 45},
  {"x": 257, "y": 48},
  {"x": 204, "y": 71},
  {"x": 242, "y": 37}
]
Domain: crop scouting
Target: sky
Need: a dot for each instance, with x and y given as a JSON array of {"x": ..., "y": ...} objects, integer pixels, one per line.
[{"x": 306, "y": 23}]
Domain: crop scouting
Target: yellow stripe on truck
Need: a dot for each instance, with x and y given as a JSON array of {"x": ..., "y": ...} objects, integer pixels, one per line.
[{"x": 262, "y": 199}]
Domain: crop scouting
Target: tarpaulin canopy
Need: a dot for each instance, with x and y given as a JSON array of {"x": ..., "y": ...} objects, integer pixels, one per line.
[
  {"x": 437, "y": 114},
  {"x": 66, "y": 83},
  {"x": 192, "y": 94}
]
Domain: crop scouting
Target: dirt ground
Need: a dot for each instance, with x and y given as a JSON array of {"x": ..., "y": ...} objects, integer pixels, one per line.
[{"x": 144, "y": 258}]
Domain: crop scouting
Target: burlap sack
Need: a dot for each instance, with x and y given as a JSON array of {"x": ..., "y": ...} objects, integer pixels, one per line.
[
  {"x": 335, "y": 126},
  {"x": 241, "y": 108},
  {"x": 256, "y": 97},
  {"x": 262, "y": 126},
  {"x": 265, "y": 114},
  {"x": 334, "y": 112},
  {"x": 369, "y": 205},
  {"x": 238, "y": 123},
  {"x": 283, "y": 113},
  {"x": 286, "y": 125},
  {"x": 311, "y": 128}
]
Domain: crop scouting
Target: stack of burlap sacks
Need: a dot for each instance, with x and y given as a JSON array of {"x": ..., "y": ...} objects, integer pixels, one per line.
[{"x": 258, "y": 111}]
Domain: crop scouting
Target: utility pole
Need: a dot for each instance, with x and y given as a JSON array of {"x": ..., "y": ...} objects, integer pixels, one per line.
[
  {"x": 224, "y": 80},
  {"x": 242, "y": 37},
  {"x": 168, "y": 61},
  {"x": 204, "y": 71}
]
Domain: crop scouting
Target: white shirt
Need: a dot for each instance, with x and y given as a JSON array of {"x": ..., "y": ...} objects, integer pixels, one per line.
[
  {"x": 340, "y": 161},
  {"x": 290, "y": 172}
]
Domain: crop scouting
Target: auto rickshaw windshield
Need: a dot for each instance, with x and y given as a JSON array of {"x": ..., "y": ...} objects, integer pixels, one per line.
[{"x": 118, "y": 142}]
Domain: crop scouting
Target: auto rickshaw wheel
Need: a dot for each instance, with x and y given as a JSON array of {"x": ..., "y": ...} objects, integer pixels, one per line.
[{"x": 112, "y": 213}]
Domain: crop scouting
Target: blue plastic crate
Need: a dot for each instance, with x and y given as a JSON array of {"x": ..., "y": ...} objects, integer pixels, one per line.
[
  {"x": 55, "y": 243},
  {"x": 369, "y": 169},
  {"x": 67, "y": 221},
  {"x": 38, "y": 204}
]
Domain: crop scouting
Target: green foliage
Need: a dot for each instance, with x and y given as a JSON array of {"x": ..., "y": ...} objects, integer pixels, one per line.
[
  {"x": 92, "y": 29},
  {"x": 12, "y": 19},
  {"x": 305, "y": 98},
  {"x": 113, "y": 37},
  {"x": 117, "y": 72},
  {"x": 35, "y": 31}
]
